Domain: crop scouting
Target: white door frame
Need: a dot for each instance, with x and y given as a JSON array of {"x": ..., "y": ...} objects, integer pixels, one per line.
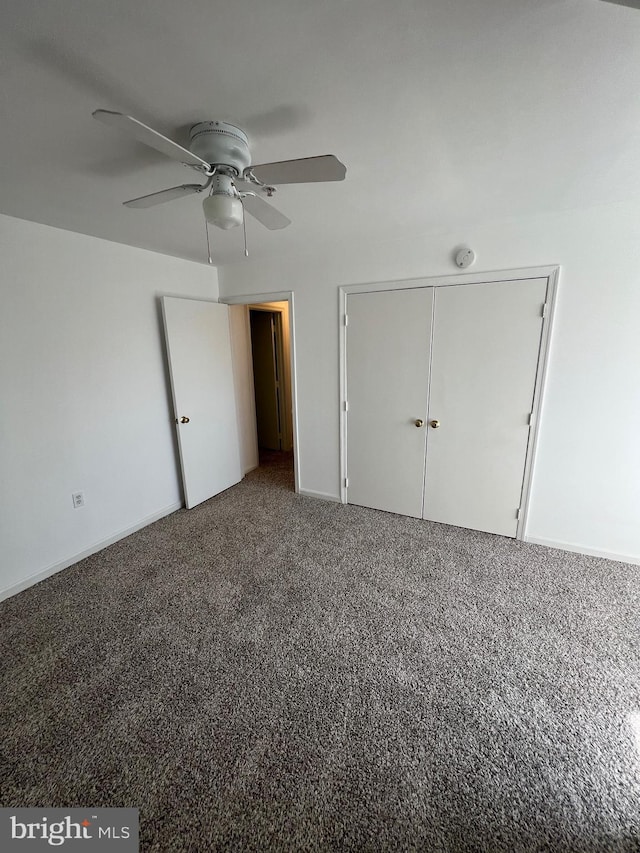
[
  {"x": 279, "y": 296},
  {"x": 551, "y": 273}
]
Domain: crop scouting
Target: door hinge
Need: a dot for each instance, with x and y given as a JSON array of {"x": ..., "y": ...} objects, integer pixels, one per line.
[
  {"x": 518, "y": 514},
  {"x": 530, "y": 418},
  {"x": 346, "y": 319},
  {"x": 543, "y": 310},
  {"x": 346, "y": 482},
  {"x": 346, "y": 405}
]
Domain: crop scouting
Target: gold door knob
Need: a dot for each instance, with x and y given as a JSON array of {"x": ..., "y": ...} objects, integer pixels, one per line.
[
  {"x": 184, "y": 420},
  {"x": 434, "y": 424},
  {"x": 419, "y": 422}
]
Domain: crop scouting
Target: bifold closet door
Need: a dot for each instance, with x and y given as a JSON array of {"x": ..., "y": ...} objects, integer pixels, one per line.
[
  {"x": 388, "y": 341},
  {"x": 486, "y": 342}
]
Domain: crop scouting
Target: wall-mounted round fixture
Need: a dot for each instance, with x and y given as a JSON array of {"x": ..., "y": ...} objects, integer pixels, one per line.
[{"x": 465, "y": 257}]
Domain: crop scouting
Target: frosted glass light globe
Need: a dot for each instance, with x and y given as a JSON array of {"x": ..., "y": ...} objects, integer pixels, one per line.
[{"x": 223, "y": 211}]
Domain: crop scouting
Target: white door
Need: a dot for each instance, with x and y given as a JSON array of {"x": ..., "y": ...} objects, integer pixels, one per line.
[
  {"x": 486, "y": 342},
  {"x": 199, "y": 350},
  {"x": 388, "y": 338}
]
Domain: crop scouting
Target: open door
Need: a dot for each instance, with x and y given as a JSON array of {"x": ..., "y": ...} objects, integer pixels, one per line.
[{"x": 199, "y": 352}]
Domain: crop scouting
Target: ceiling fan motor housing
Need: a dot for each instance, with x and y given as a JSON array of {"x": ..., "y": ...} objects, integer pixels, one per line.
[{"x": 220, "y": 144}]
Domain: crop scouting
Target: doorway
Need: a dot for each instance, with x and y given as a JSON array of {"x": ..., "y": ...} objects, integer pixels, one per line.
[
  {"x": 269, "y": 324},
  {"x": 271, "y": 361},
  {"x": 262, "y": 336}
]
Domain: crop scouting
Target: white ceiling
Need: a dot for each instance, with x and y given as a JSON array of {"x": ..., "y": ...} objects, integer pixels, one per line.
[{"x": 444, "y": 111}]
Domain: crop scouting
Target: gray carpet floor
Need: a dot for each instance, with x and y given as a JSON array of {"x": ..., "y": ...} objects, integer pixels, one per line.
[{"x": 272, "y": 672}]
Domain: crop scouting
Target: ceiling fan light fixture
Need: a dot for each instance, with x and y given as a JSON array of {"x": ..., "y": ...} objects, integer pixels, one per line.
[
  {"x": 223, "y": 211},
  {"x": 220, "y": 151}
]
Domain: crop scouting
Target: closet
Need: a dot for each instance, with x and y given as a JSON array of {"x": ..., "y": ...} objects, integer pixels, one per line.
[{"x": 439, "y": 394}]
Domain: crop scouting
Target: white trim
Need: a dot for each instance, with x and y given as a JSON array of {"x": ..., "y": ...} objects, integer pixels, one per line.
[
  {"x": 323, "y": 496},
  {"x": 538, "y": 396},
  {"x": 280, "y": 296},
  {"x": 448, "y": 280},
  {"x": 7, "y": 592},
  {"x": 249, "y": 468},
  {"x": 582, "y": 549},
  {"x": 342, "y": 343},
  {"x": 551, "y": 273}
]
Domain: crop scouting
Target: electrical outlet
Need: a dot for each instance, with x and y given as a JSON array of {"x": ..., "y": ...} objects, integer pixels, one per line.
[{"x": 78, "y": 499}]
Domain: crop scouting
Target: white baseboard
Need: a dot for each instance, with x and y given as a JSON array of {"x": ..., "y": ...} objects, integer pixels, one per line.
[
  {"x": 250, "y": 468},
  {"x": 580, "y": 549},
  {"x": 323, "y": 496},
  {"x": 14, "y": 589}
]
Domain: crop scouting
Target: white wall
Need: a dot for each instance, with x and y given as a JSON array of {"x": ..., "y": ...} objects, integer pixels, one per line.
[
  {"x": 84, "y": 395},
  {"x": 586, "y": 487}
]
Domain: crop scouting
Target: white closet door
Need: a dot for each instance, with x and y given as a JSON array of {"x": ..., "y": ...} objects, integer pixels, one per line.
[
  {"x": 199, "y": 348},
  {"x": 486, "y": 342},
  {"x": 388, "y": 339}
]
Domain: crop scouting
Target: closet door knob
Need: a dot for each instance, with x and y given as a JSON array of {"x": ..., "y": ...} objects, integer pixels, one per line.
[
  {"x": 434, "y": 424},
  {"x": 419, "y": 422},
  {"x": 183, "y": 420}
]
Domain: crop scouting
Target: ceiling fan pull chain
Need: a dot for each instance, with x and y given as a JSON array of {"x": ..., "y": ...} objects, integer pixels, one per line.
[
  {"x": 206, "y": 228},
  {"x": 244, "y": 228}
]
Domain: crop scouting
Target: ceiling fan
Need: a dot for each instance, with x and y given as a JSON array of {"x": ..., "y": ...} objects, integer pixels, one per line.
[{"x": 220, "y": 152}]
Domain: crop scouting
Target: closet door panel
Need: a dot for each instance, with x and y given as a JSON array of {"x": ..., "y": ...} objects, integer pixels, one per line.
[
  {"x": 486, "y": 341},
  {"x": 388, "y": 342}
]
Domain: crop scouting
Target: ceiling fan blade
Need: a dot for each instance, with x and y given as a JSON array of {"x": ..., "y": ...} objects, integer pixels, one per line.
[
  {"x": 303, "y": 171},
  {"x": 149, "y": 136},
  {"x": 265, "y": 213},
  {"x": 164, "y": 195},
  {"x": 633, "y": 4}
]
